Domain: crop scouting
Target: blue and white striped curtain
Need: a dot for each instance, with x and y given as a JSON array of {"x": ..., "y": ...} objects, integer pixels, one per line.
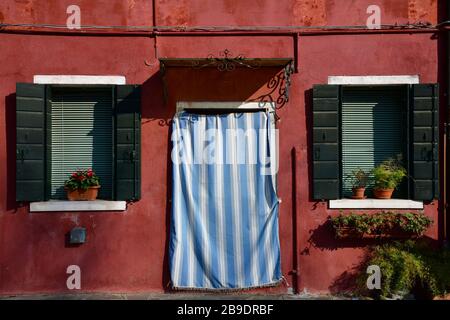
[{"x": 224, "y": 229}]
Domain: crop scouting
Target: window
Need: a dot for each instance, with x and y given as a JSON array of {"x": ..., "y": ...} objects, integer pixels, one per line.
[
  {"x": 81, "y": 136},
  {"x": 355, "y": 126},
  {"x": 372, "y": 129},
  {"x": 61, "y": 129}
]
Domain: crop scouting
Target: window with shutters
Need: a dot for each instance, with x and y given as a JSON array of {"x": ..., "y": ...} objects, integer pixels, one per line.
[
  {"x": 361, "y": 126},
  {"x": 60, "y": 129}
]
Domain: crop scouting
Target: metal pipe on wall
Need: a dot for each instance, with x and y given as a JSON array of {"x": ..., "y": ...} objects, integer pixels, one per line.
[
  {"x": 446, "y": 127},
  {"x": 295, "y": 272}
]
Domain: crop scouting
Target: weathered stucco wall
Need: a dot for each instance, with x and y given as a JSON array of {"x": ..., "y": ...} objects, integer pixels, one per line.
[
  {"x": 128, "y": 251},
  {"x": 219, "y": 12}
]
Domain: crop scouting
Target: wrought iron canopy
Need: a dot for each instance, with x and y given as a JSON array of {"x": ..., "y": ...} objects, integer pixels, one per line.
[
  {"x": 226, "y": 62},
  {"x": 252, "y": 63}
]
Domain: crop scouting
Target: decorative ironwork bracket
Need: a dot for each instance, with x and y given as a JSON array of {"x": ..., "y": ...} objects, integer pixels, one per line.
[
  {"x": 225, "y": 62},
  {"x": 278, "y": 85}
]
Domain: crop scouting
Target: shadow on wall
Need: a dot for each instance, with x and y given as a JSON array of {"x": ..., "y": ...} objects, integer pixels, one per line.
[
  {"x": 154, "y": 109},
  {"x": 353, "y": 280},
  {"x": 309, "y": 139},
  {"x": 323, "y": 238},
  {"x": 152, "y": 104},
  {"x": 162, "y": 92},
  {"x": 347, "y": 281},
  {"x": 210, "y": 84},
  {"x": 10, "y": 119}
]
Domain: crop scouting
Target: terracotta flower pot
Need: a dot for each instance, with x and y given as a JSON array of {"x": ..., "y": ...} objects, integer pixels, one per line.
[
  {"x": 443, "y": 297},
  {"x": 80, "y": 194},
  {"x": 358, "y": 193},
  {"x": 383, "y": 193}
]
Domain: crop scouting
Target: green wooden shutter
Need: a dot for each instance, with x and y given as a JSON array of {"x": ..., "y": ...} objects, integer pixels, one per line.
[
  {"x": 373, "y": 121},
  {"x": 81, "y": 136},
  {"x": 326, "y": 158},
  {"x": 128, "y": 142},
  {"x": 30, "y": 142},
  {"x": 424, "y": 142}
]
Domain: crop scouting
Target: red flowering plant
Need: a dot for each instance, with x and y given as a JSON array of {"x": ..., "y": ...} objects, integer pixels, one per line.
[{"x": 82, "y": 179}]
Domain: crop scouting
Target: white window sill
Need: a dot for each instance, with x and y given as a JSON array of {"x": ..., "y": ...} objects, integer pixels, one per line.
[
  {"x": 375, "y": 204},
  {"x": 65, "y": 205}
]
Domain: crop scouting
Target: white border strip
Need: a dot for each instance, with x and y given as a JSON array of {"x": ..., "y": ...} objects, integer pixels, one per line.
[
  {"x": 375, "y": 204},
  {"x": 182, "y": 105},
  {"x": 368, "y": 80},
  {"x": 62, "y": 205},
  {"x": 72, "y": 79}
]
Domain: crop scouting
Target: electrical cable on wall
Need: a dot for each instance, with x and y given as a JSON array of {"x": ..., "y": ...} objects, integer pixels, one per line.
[{"x": 411, "y": 26}]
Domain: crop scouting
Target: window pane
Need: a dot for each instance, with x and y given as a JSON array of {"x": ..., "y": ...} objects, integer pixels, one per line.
[
  {"x": 372, "y": 128},
  {"x": 81, "y": 137}
]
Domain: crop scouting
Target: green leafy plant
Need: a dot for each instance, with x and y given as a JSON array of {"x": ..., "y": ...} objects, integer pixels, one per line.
[
  {"x": 388, "y": 174},
  {"x": 415, "y": 223},
  {"x": 82, "y": 179},
  {"x": 381, "y": 223},
  {"x": 358, "y": 178},
  {"x": 409, "y": 267}
]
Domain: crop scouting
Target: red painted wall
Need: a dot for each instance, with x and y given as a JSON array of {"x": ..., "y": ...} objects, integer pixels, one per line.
[{"x": 127, "y": 252}]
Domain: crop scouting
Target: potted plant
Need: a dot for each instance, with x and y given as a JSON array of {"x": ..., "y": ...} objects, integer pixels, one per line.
[
  {"x": 82, "y": 185},
  {"x": 387, "y": 176},
  {"x": 358, "y": 178}
]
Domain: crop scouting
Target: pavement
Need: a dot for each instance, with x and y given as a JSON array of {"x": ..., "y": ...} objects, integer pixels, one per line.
[{"x": 168, "y": 296}]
